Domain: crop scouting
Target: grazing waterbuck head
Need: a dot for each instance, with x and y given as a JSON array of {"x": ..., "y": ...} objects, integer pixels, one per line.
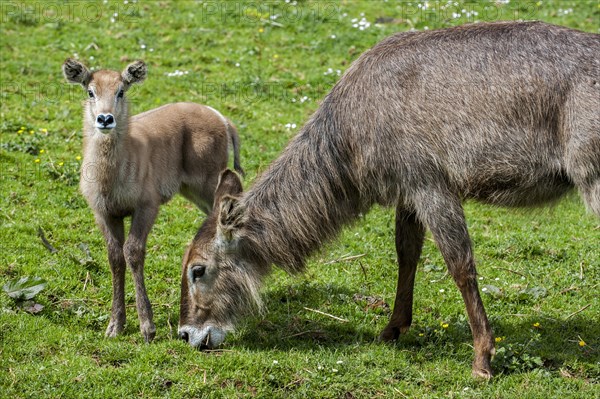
[
  {"x": 218, "y": 284},
  {"x": 106, "y": 108}
]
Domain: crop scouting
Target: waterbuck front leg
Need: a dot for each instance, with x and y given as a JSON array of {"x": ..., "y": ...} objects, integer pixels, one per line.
[
  {"x": 442, "y": 212},
  {"x": 410, "y": 234},
  {"x": 135, "y": 253},
  {"x": 114, "y": 233}
]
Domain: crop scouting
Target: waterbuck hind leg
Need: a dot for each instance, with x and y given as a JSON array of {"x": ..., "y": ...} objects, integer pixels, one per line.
[
  {"x": 443, "y": 214},
  {"x": 113, "y": 231},
  {"x": 410, "y": 234},
  {"x": 135, "y": 253}
]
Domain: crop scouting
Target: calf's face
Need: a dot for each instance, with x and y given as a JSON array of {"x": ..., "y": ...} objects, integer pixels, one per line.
[{"x": 106, "y": 106}]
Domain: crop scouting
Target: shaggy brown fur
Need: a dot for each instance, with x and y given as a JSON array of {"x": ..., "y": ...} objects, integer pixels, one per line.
[
  {"x": 133, "y": 165},
  {"x": 505, "y": 113}
]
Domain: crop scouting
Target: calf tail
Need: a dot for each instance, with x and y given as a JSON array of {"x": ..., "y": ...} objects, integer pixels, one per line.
[{"x": 235, "y": 143}]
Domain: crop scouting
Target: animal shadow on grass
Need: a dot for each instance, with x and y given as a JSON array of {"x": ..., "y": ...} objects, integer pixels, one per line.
[
  {"x": 525, "y": 344},
  {"x": 291, "y": 320}
]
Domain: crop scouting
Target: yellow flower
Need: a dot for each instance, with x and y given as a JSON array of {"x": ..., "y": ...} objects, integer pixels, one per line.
[
  {"x": 44, "y": 130},
  {"x": 582, "y": 343},
  {"x": 536, "y": 324},
  {"x": 31, "y": 132},
  {"x": 421, "y": 334},
  {"x": 37, "y": 160},
  {"x": 78, "y": 157},
  {"x": 42, "y": 151},
  {"x": 61, "y": 163},
  {"x": 498, "y": 339},
  {"x": 444, "y": 325},
  {"x": 275, "y": 56},
  {"x": 260, "y": 30}
]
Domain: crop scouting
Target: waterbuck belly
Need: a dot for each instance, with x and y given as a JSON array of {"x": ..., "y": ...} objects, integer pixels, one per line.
[{"x": 517, "y": 189}]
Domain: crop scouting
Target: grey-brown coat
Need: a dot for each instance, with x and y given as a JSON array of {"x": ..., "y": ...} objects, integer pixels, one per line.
[{"x": 506, "y": 113}]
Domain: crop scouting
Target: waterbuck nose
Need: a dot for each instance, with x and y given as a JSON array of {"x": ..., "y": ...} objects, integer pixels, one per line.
[
  {"x": 184, "y": 336},
  {"x": 105, "y": 120}
]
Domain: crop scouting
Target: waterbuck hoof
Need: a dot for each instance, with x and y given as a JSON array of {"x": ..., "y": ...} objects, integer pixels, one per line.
[
  {"x": 482, "y": 368},
  {"x": 389, "y": 334},
  {"x": 482, "y": 374}
]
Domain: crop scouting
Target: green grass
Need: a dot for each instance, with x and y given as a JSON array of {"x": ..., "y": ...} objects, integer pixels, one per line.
[{"x": 539, "y": 266}]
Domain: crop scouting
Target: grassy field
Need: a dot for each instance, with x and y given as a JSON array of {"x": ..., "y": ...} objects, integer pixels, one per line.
[{"x": 266, "y": 66}]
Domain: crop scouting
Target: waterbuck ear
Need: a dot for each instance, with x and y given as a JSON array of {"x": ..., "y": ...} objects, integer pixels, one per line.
[
  {"x": 231, "y": 218},
  {"x": 134, "y": 73},
  {"x": 76, "y": 72},
  {"x": 229, "y": 184}
]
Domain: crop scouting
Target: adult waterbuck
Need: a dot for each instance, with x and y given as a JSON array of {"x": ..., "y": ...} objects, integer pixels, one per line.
[
  {"x": 505, "y": 113},
  {"x": 133, "y": 165}
]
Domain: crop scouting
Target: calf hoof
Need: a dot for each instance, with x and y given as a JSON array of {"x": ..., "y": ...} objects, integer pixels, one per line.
[
  {"x": 114, "y": 328},
  {"x": 148, "y": 332}
]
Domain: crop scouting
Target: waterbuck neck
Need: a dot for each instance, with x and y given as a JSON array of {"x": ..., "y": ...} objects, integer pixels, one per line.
[{"x": 304, "y": 198}]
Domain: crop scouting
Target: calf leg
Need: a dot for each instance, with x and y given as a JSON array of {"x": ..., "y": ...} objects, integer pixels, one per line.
[
  {"x": 442, "y": 212},
  {"x": 409, "y": 242},
  {"x": 113, "y": 231},
  {"x": 135, "y": 253}
]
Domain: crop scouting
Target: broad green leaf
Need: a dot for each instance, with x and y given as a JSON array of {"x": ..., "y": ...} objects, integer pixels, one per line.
[{"x": 24, "y": 288}]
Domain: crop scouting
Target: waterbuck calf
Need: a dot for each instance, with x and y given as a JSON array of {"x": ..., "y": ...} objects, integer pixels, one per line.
[
  {"x": 133, "y": 165},
  {"x": 505, "y": 113}
]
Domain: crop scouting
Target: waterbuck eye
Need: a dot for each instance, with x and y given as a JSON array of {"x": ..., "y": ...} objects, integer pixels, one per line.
[
  {"x": 91, "y": 94},
  {"x": 120, "y": 94},
  {"x": 198, "y": 271}
]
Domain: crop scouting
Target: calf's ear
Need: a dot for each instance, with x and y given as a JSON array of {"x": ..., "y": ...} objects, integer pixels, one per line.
[
  {"x": 134, "y": 73},
  {"x": 75, "y": 72}
]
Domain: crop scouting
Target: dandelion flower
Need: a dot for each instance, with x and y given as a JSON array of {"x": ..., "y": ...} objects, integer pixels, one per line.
[
  {"x": 42, "y": 151},
  {"x": 444, "y": 325},
  {"x": 78, "y": 157},
  {"x": 44, "y": 130},
  {"x": 536, "y": 324},
  {"x": 498, "y": 339},
  {"x": 37, "y": 160},
  {"x": 61, "y": 163},
  {"x": 261, "y": 30},
  {"x": 582, "y": 343},
  {"x": 31, "y": 132}
]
